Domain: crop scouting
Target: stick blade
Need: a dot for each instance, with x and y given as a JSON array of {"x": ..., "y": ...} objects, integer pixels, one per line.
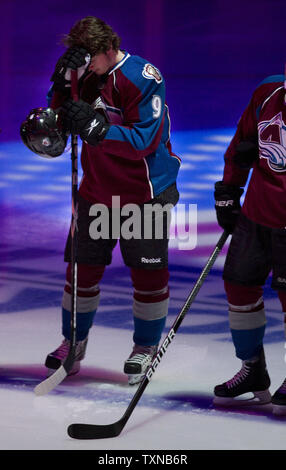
[
  {"x": 94, "y": 431},
  {"x": 51, "y": 382}
]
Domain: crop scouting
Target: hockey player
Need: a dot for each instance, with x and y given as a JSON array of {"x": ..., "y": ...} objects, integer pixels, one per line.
[
  {"x": 258, "y": 244},
  {"x": 123, "y": 121}
]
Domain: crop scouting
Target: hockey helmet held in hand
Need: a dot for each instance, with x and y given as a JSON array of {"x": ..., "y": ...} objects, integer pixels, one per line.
[{"x": 41, "y": 132}]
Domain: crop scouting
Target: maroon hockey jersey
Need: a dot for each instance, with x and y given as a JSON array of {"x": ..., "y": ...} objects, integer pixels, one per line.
[
  {"x": 263, "y": 121},
  {"x": 135, "y": 160}
]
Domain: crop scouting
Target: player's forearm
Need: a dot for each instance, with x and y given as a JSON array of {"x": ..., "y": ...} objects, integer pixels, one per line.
[
  {"x": 240, "y": 156},
  {"x": 234, "y": 175},
  {"x": 133, "y": 143}
]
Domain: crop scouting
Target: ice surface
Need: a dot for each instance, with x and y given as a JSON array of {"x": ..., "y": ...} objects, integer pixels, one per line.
[{"x": 176, "y": 410}]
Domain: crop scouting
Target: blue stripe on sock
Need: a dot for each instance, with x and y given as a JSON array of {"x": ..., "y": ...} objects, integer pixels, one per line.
[
  {"x": 148, "y": 333},
  {"x": 83, "y": 324},
  {"x": 248, "y": 343}
]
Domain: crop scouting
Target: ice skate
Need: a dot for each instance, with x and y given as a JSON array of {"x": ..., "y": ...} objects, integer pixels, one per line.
[
  {"x": 55, "y": 359},
  {"x": 252, "y": 378},
  {"x": 138, "y": 362},
  {"x": 278, "y": 400}
]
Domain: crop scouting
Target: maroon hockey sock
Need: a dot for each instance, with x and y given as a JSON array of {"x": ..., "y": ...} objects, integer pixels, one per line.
[
  {"x": 238, "y": 295},
  {"x": 88, "y": 278}
]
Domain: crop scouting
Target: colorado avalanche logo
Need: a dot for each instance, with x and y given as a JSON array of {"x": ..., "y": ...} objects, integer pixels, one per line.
[
  {"x": 46, "y": 142},
  {"x": 272, "y": 142},
  {"x": 151, "y": 72}
]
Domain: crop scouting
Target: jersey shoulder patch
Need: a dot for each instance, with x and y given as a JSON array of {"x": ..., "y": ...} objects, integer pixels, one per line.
[
  {"x": 137, "y": 70},
  {"x": 152, "y": 73}
]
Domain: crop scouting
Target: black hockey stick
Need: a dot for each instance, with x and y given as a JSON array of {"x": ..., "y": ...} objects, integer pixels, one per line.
[
  {"x": 58, "y": 376},
  {"x": 94, "y": 431}
]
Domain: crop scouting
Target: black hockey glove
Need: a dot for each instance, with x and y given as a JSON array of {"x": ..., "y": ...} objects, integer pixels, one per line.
[
  {"x": 80, "y": 118},
  {"x": 227, "y": 205},
  {"x": 246, "y": 154},
  {"x": 74, "y": 58}
]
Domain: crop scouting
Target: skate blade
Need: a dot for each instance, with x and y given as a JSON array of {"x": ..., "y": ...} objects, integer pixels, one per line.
[
  {"x": 279, "y": 410},
  {"x": 134, "y": 379},
  {"x": 259, "y": 398}
]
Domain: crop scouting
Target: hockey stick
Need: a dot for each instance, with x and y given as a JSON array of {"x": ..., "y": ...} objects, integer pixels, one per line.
[
  {"x": 59, "y": 375},
  {"x": 94, "y": 431}
]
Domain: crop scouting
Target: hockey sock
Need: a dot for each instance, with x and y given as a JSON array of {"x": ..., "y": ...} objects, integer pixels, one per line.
[
  {"x": 246, "y": 319},
  {"x": 84, "y": 322},
  {"x": 150, "y": 305},
  {"x": 88, "y": 295}
]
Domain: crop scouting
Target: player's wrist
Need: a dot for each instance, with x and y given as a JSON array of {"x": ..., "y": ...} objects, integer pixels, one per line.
[
  {"x": 95, "y": 131},
  {"x": 80, "y": 118},
  {"x": 227, "y": 204},
  {"x": 75, "y": 58}
]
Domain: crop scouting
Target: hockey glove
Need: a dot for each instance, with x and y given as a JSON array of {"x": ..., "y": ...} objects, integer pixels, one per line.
[
  {"x": 246, "y": 154},
  {"x": 74, "y": 58},
  {"x": 80, "y": 118},
  {"x": 227, "y": 205}
]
